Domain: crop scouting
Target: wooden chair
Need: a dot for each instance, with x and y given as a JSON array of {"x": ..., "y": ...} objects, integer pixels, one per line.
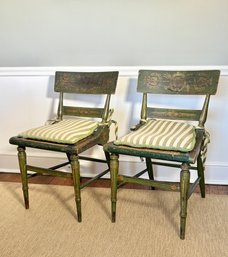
[
  {"x": 167, "y": 135},
  {"x": 69, "y": 135}
]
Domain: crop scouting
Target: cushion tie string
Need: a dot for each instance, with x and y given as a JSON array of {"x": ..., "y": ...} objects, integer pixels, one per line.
[{"x": 110, "y": 121}]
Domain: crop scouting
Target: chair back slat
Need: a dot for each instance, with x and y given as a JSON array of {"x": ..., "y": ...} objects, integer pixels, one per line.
[
  {"x": 173, "y": 114},
  {"x": 83, "y": 111},
  {"x": 86, "y": 82},
  {"x": 178, "y": 82}
]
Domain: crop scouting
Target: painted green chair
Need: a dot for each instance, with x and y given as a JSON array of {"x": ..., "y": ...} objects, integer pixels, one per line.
[
  {"x": 166, "y": 136},
  {"x": 75, "y": 129}
]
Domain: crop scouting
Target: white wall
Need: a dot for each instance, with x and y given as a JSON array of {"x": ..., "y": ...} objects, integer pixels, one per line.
[
  {"x": 27, "y": 100},
  {"x": 107, "y": 32}
]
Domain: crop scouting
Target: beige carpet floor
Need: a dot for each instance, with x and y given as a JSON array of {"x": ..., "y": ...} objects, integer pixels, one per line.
[{"x": 147, "y": 224}]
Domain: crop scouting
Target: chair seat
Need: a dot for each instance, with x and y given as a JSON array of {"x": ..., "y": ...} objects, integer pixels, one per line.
[
  {"x": 163, "y": 135},
  {"x": 66, "y": 131}
]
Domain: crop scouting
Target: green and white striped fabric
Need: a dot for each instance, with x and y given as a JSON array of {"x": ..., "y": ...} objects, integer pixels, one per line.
[
  {"x": 65, "y": 131},
  {"x": 161, "y": 134}
]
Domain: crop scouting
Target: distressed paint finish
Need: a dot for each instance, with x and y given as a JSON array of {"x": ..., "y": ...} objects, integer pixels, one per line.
[
  {"x": 86, "y": 82},
  {"x": 173, "y": 114},
  {"x": 181, "y": 83},
  {"x": 72, "y": 82},
  {"x": 114, "y": 167},
  {"x": 83, "y": 111},
  {"x": 178, "y": 82},
  {"x": 168, "y": 82},
  {"x": 75, "y": 166},
  {"x": 24, "y": 178},
  {"x": 184, "y": 189}
]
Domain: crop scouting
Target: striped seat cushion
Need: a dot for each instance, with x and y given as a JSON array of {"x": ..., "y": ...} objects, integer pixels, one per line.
[
  {"x": 65, "y": 131},
  {"x": 161, "y": 134}
]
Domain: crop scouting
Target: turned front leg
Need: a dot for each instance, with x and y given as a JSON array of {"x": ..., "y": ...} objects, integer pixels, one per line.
[
  {"x": 24, "y": 177},
  {"x": 75, "y": 166},
  {"x": 114, "y": 167},
  {"x": 184, "y": 188}
]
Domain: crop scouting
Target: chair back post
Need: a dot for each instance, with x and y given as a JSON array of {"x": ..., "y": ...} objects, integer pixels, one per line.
[
  {"x": 203, "y": 116},
  {"x": 106, "y": 109},
  {"x": 60, "y": 107},
  {"x": 144, "y": 108}
]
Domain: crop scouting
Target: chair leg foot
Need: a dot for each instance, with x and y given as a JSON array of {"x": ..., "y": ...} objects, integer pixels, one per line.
[
  {"x": 26, "y": 203},
  {"x": 75, "y": 166},
  {"x": 24, "y": 177},
  {"x": 113, "y": 217},
  {"x": 114, "y": 166},
  {"x": 79, "y": 214},
  {"x": 182, "y": 228},
  {"x": 113, "y": 208},
  {"x": 184, "y": 188}
]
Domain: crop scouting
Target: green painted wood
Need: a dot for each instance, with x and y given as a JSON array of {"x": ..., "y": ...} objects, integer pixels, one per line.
[
  {"x": 193, "y": 186},
  {"x": 139, "y": 174},
  {"x": 178, "y": 82},
  {"x": 173, "y": 114},
  {"x": 86, "y": 82},
  {"x": 59, "y": 165},
  {"x": 51, "y": 172},
  {"x": 157, "y": 184},
  {"x": 200, "y": 170},
  {"x": 106, "y": 112},
  {"x": 60, "y": 107},
  {"x": 83, "y": 111},
  {"x": 114, "y": 167},
  {"x": 144, "y": 107},
  {"x": 203, "y": 116},
  {"x": 75, "y": 166},
  {"x": 172, "y": 165},
  {"x": 90, "y": 181},
  {"x": 24, "y": 175},
  {"x": 85, "y": 158},
  {"x": 184, "y": 189}
]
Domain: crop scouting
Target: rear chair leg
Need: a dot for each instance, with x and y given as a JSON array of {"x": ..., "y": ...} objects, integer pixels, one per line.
[
  {"x": 114, "y": 166},
  {"x": 23, "y": 171},
  {"x": 107, "y": 156},
  {"x": 200, "y": 169},
  {"x": 184, "y": 188},
  {"x": 75, "y": 166},
  {"x": 150, "y": 170}
]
